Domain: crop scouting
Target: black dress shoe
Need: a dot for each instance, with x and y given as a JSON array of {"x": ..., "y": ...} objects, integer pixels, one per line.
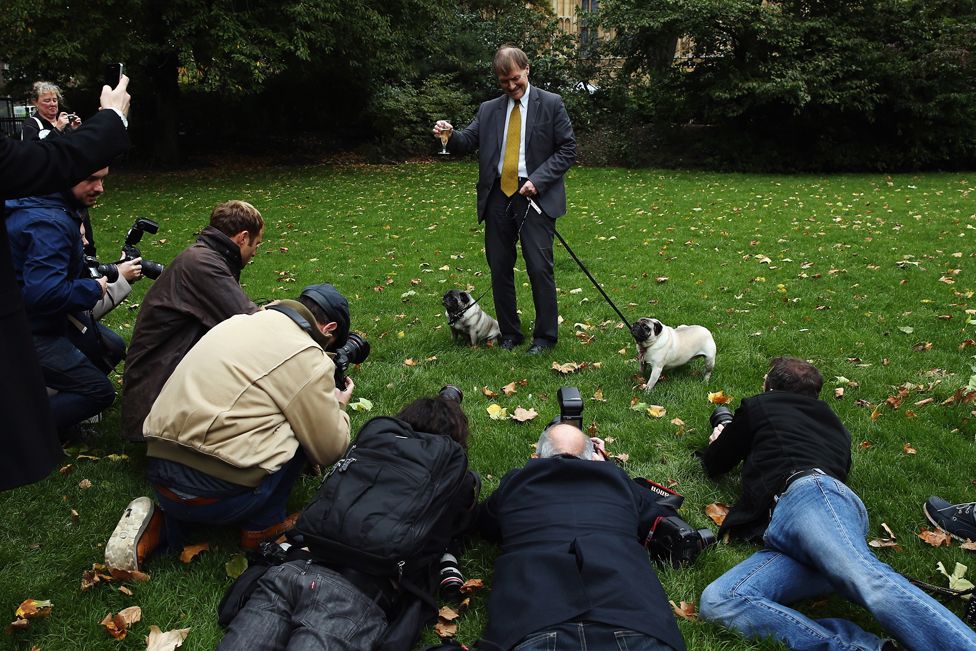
[
  {"x": 508, "y": 344},
  {"x": 535, "y": 349}
]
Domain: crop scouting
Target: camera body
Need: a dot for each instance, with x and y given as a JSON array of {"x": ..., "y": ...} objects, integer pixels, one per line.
[
  {"x": 72, "y": 118},
  {"x": 674, "y": 541},
  {"x": 140, "y": 227},
  {"x": 98, "y": 269},
  {"x": 354, "y": 351},
  {"x": 570, "y": 408}
]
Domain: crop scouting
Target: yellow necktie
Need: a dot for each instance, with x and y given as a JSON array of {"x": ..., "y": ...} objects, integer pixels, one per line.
[{"x": 512, "y": 141}]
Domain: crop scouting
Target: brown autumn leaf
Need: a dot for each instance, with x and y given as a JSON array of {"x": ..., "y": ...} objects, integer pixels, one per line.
[
  {"x": 719, "y": 398},
  {"x": 472, "y": 585},
  {"x": 686, "y": 610},
  {"x": 592, "y": 429},
  {"x": 910, "y": 413},
  {"x": 926, "y": 401},
  {"x": 623, "y": 456},
  {"x": 509, "y": 389},
  {"x": 115, "y": 626},
  {"x": 124, "y": 590},
  {"x": 936, "y": 538},
  {"x": 886, "y": 541},
  {"x": 967, "y": 343},
  {"x": 969, "y": 545},
  {"x": 839, "y": 393},
  {"x": 448, "y": 613},
  {"x": 523, "y": 415},
  {"x": 445, "y": 629},
  {"x": 128, "y": 576},
  {"x": 876, "y": 413},
  {"x": 598, "y": 395},
  {"x": 680, "y": 424},
  {"x": 84, "y": 484},
  {"x": 410, "y": 361},
  {"x": 18, "y": 624},
  {"x": 717, "y": 512},
  {"x": 565, "y": 369},
  {"x": 64, "y": 470},
  {"x": 190, "y": 551},
  {"x": 33, "y": 608},
  {"x": 74, "y": 516},
  {"x": 157, "y": 640},
  {"x": 864, "y": 445},
  {"x": 488, "y": 392},
  {"x": 661, "y": 279},
  {"x": 908, "y": 449},
  {"x": 922, "y": 347}
]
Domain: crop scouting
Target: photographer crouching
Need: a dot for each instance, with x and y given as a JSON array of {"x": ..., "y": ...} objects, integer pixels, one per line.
[
  {"x": 573, "y": 572},
  {"x": 231, "y": 431},
  {"x": 796, "y": 456}
]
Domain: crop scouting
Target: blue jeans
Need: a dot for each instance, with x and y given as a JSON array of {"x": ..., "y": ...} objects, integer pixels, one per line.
[
  {"x": 83, "y": 389},
  {"x": 301, "y": 606},
  {"x": 815, "y": 545},
  {"x": 252, "y": 510},
  {"x": 576, "y": 636}
]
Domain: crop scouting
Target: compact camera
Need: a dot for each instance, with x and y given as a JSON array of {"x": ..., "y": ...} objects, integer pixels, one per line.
[
  {"x": 354, "y": 351},
  {"x": 72, "y": 118}
]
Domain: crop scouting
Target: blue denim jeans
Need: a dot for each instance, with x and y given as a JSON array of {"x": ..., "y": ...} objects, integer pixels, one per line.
[
  {"x": 253, "y": 510},
  {"x": 584, "y": 636},
  {"x": 83, "y": 390},
  {"x": 815, "y": 545},
  {"x": 300, "y": 606}
]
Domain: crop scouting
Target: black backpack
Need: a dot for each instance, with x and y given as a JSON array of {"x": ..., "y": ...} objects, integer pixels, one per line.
[{"x": 381, "y": 508}]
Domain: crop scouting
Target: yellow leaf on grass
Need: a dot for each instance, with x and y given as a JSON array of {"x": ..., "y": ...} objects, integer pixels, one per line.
[
  {"x": 410, "y": 361},
  {"x": 719, "y": 398},
  {"x": 656, "y": 411},
  {"x": 497, "y": 412},
  {"x": 31, "y": 608}
]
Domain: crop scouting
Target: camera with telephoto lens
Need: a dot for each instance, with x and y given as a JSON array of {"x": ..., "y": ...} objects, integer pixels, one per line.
[
  {"x": 451, "y": 578},
  {"x": 354, "y": 351},
  {"x": 98, "y": 269},
  {"x": 722, "y": 415},
  {"x": 676, "y": 542},
  {"x": 570, "y": 408},
  {"x": 141, "y": 226},
  {"x": 452, "y": 393}
]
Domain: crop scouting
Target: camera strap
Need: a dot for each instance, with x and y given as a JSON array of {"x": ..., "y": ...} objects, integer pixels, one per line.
[{"x": 301, "y": 322}]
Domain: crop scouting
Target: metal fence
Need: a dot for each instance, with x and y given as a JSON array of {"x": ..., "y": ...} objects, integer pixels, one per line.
[{"x": 9, "y": 123}]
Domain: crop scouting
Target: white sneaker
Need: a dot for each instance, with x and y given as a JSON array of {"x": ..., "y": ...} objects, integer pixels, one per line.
[{"x": 122, "y": 549}]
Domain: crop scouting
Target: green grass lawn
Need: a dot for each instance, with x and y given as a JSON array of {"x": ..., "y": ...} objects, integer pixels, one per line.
[{"x": 868, "y": 276}]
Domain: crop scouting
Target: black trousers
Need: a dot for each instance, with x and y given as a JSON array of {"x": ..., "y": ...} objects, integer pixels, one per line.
[{"x": 509, "y": 220}]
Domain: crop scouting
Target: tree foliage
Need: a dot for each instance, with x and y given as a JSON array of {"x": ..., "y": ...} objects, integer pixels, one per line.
[{"x": 872, "y": 83}]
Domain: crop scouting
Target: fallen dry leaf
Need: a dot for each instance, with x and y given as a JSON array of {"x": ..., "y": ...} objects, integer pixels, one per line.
[
  {"x": 656, "y": 411},
  {"x": 472, "y": 585},
  {"x": 685, "y": 611},
  {"x": 565, "y": 369},
  {"x": 496, "y": 412},
  {"x": 864, "y": 445},
  {"x": 909, "y": 449},
  {"x": 33, "y": 608},
  {"x": 445, "y": 629},
  {"x": 488, "y": 392},
  {"x": 717, "y": 512},
  {"x": 926, "y": 401},
  {"x": 118, "y": 625},
  {"x": 124, "y": 590},
  {"x": 719, "y": 398},
  {"x": 447, "y": 613},
  {"x": 623, "y": 456},
  {"x": 190, "y": 551},
  {"x": 84, "y": 484},
  {"x": 936, "y": 538},
  {"x": 680, "y": 424},
  {"x": 523, "y": 415},
  {"x": 64, "y": 470},
  {"x": 969, "y": 545},
  {"x": 598, "y": 395},
  {"x": 410, "y": 361},
  {"x": 839, "y": 393},
  {"x": 509, "y": 389},
  {"x": 18, "y": 624},
  {"x": 157, "y": 640}
]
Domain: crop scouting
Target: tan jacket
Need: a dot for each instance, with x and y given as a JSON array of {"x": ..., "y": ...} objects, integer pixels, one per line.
[{"x": 252, "y": 390}]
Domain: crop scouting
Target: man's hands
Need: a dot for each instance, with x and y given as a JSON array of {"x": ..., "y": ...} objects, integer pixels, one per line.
[
  {"x": 599, "y": 449},
  {"x": 715, "y": 432},
  {"x": 131, "y": 270},
  {"x": 442, "y": 126},
  {"x": 102, "y": 284},
  {"x": 527, "y": 189},
  {"x": 345, "y": 395},
  {"x": 116, "y": 98}
]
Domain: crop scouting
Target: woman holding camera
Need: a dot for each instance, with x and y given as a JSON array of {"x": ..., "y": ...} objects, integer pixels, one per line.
[{"x": 47, "y": 119}]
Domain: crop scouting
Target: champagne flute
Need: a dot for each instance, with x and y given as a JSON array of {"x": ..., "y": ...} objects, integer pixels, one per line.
[{"x": 444, "y": 135}]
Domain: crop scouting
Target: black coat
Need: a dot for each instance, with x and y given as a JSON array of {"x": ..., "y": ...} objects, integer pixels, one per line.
[
  {"x": 571, "y": 535},
  {"x": 776, "y": 434},
  {"x": 28, "y": 440}
]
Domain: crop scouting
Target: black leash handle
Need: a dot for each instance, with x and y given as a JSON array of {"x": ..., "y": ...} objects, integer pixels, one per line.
[{"x": 592, "y": 279}]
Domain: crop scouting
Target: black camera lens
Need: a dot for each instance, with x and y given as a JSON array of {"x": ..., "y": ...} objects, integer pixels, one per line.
[
  {"x": 150, "y": 269},
  {"x": 354, "y": 351},
  {"x": 721, "y": 416},
  {"x": 451, "y": 392},
  {"x": 451, "y": 578}
]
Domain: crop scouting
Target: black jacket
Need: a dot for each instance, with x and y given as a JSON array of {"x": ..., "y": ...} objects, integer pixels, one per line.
[
  {"x": 571, "y": 535},
  {"x": 30, "y": 445},
  {"x": 776, "y": 434}
]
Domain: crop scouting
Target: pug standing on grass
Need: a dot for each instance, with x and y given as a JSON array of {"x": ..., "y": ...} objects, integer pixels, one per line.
[
  {"x": 660, "y": 347},
  {"x": 467, "y": 319}
]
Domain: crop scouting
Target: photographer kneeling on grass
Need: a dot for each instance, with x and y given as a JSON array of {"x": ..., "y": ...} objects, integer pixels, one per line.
[
  {"x": 364, "y": 561},
  {"x": 573, "y": 572},
  {"x": 796, "y": 456},
  {"x": 234, "y": 424}
]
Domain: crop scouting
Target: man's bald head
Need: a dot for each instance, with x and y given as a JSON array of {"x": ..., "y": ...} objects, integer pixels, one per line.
[{"x": 564, "y": 439}]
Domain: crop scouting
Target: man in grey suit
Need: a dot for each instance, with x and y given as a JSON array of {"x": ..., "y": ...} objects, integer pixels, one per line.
[{"x": 525, "y": 145}]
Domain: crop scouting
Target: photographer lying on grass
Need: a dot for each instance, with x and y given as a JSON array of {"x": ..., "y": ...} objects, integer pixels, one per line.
[
  {"x": 573, "y": 572},
  {"x": 796, "y": 456}
]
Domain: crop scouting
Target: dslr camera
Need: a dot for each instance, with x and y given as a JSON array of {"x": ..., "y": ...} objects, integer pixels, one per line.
[
  {"x": 110, "y": 270},
  {"x": 570, "y": 408},
  {"x": 721, "y": 415},
  {"x": 671, "y": 539},
  {"x": 452, "y": 393},
  {"x": 354, "y": 351}
]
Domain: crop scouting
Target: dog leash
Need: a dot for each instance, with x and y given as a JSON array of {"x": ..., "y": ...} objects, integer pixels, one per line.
[{"x": 457, "y": 317}]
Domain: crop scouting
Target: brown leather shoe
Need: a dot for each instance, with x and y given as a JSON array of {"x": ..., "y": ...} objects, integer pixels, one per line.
[{"x": 251, "y": 539}]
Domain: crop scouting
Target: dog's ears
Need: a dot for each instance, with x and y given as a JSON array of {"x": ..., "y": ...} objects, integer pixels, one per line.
[{"x": 658, "y": 328}]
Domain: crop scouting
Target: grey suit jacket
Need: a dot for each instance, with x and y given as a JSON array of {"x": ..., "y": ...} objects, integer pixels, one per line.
[{"x": 550, "y": 147}]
